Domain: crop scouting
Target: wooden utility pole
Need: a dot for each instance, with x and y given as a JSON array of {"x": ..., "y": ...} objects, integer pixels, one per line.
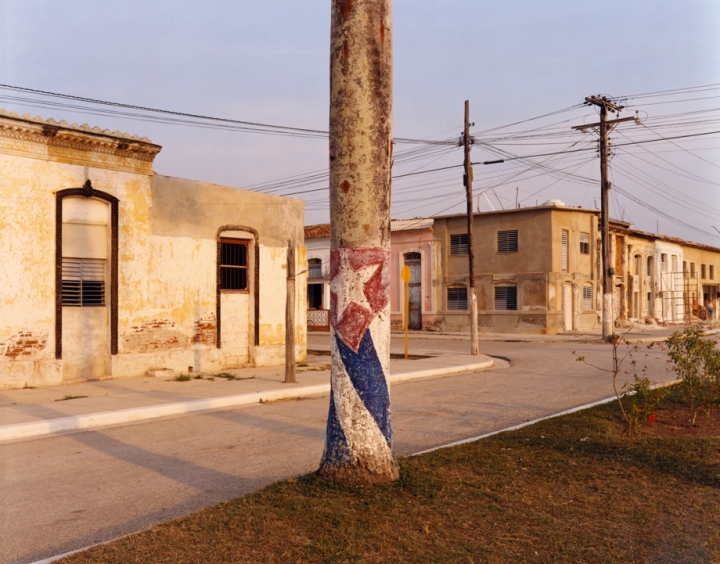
[
  {"x": 468, "y": 178},
  {"x": 605, "y": 127},
  {"x": 359, "y": 439},
  {"x": 290, "y": 316}
]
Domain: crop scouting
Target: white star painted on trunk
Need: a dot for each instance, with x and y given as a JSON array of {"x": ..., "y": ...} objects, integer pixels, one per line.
[{"x": 349, "y": 285}]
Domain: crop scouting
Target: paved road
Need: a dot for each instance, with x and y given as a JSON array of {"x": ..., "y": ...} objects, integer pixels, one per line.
[{"x": 65, "y": 492}]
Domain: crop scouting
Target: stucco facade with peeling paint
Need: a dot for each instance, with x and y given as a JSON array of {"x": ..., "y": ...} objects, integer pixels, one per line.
[{"x": 108, "y": 269}]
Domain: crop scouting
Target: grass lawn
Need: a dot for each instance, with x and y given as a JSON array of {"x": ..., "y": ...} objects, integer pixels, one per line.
[{"x": 569, "y": 489}]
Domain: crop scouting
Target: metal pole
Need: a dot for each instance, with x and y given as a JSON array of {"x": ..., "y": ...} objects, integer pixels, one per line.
[
  {"x": 472, "y": 298},
  {"x": 290, "y": 316},
  {"x": 359, "y": 447}
]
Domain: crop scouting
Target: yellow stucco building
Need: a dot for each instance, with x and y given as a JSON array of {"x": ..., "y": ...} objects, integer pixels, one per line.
[{"x": 108, "y": 269}]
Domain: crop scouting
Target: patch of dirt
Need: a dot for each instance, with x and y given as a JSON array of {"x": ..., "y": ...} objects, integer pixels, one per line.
[{"x": 675, "y": 423}]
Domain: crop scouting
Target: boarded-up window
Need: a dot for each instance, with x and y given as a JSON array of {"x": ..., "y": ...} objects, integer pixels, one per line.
[
  {"x": 692, "y": 269},
  {"x": 702, "y": 271},
  {"x": 712, "y": 272},
  {"x": 584, "y": 243},
  {"x": 587, "y": 297},
  {"x": 233, "y": 264},
  {"x": 508, "y": 241},
  {"x": 459, "y": 244},
  {"x": 83, "y": 282},
  {"x": 506, "y": 298},
  {"x": 565, "y": 236},
  {"x": 457, "y": 298}
]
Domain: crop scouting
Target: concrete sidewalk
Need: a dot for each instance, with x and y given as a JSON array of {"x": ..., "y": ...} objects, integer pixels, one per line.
[{"x": 34, "y": 412}]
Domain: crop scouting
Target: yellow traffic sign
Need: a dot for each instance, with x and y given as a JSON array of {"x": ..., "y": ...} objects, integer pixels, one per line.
[{"x": 405, "y": 273}]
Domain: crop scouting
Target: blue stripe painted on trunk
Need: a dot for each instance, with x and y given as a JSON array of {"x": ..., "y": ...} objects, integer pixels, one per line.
[
  {"x": 337, "y": 450},
  {"x": 367, "y": 377}
]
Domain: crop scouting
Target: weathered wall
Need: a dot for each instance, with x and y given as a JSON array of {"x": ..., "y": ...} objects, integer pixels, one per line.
[{"x": 168, "y": 232}]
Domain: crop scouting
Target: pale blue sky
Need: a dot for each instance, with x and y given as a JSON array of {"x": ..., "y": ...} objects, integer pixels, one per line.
[{"x": 268, "y": 61}]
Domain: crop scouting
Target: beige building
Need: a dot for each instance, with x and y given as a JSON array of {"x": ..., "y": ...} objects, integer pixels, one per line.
[
  {"x": 536, "y": 269},
  {"x": 108, "y": 269},
  {"x": 539, "y": 270},
  {"x": 662, "y": 277}
]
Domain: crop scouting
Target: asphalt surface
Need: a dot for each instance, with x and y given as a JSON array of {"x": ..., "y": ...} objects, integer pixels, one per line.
[{"x": 66, "y": 492}]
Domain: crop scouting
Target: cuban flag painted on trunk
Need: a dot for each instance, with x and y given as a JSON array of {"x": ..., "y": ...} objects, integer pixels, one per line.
[{"x": 359, "y": 427}]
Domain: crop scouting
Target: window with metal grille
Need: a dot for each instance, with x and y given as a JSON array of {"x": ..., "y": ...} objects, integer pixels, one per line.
[
  {"x": 83, "y": 282},
  {"x": 584, "y": 243},
  {"x": 459, "y": 244},
  {"x": 702, "y": 271},
  {"x": 233, "y": 264},
  {"x": 587, "y": 297},
  {"x": 508, "y": 241},
  {"x": 315, "y": 268},
  {"x": 712, "y": 272},
  {"x": 457, "y": 298},
  {"x": 506, "y": 298},
  {"x": 692, "y": 269},
  {"x": 565, "y": 236}
]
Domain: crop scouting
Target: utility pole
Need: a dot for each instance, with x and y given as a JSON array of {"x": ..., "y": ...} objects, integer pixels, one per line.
[
  {"x": 290, "y": 316},
  {"x": 605, "y": 127},
  {"x": 468, "y": 178},
  {"x": 359, "y": 438}
]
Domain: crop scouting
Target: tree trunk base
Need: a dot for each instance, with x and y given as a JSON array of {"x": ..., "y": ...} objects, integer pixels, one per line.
[{"x": 360, "y": 474}]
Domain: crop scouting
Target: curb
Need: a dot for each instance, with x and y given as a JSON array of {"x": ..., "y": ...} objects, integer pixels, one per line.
[
  {"x": 134, "y": 414},
  {"x": 534, "y": 421}
]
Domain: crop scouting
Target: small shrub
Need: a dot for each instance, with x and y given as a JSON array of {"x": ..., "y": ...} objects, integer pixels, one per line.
[
  {"x": 696, "y": 361},
  {"x": 183, "y": 378},
  {"x": 642, "y": 400},
  {"x": 71, "y": 398}
]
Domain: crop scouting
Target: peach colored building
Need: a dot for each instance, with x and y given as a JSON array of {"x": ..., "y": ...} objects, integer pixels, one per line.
[{"x": 412, "y": 244}]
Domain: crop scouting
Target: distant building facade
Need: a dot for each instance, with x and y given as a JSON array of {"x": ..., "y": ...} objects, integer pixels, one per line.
[
  {"x": 412, "y": 244},
  {"x": 108, "y": 269}
]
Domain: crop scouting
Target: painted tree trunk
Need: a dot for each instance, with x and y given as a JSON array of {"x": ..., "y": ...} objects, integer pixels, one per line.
[{"x": 359, "y": 433}]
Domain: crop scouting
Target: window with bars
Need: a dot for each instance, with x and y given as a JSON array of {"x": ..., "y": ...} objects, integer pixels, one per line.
[
  {"x": 584, "y": 243},
  {"x": 233, "y": 264},
  {"x": 587, "y": 297},
  {"x": 83, "y": 282},
  {"x": 712, "y": 272},
  {"x": 565, "y": 236},
  {"x": 459, "y": 244},
  {"x": 457, "y": 299},
  {"x": 508, "y": 241},
  {"x": 506, "y": 298},
  {"x": 702, "y": 271}
]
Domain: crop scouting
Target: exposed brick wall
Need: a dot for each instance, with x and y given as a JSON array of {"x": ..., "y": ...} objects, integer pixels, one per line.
[
  {"x": 204, "y": 331},
  {"x": 155, "y": 335},
  {"x": 23, "y": 345}
]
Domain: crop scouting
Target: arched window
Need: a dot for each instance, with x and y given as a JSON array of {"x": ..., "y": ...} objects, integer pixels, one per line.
[{"x": 315, "y": 268}]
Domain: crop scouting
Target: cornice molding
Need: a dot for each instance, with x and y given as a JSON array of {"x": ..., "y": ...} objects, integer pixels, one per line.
[{"x": 76, "y": 144}]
